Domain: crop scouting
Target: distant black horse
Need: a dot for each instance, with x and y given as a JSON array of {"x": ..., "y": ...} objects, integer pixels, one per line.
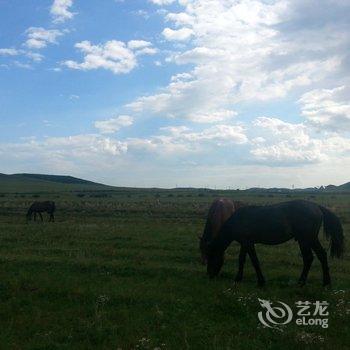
[
  {"x": 41, "y": 207},
  {"x": 276, "y": 224}
]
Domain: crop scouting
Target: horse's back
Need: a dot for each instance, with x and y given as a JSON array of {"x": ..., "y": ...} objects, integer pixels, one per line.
[
  {"x": 276, "y": 223},
  {"x": 43, "y": 206}
]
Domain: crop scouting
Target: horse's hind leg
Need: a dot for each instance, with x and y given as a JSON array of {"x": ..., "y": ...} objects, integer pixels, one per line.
[
  {"x": 241, "y": 262},
  {"x": 308, "y": 257},
  {"x": 41, "y": 217},
  {"x": 256, "y": 264},
  {"x": 322, "y": 256}
]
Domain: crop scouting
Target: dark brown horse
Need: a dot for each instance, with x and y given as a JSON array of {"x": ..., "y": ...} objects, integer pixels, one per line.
[
  {"x": 275, "y": 224},
  {"x": 41, "y": 207},
  {"x": 220, "y": 210}
]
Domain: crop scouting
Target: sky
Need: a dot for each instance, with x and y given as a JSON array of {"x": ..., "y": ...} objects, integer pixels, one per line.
[{"x": 166, "y": 93}]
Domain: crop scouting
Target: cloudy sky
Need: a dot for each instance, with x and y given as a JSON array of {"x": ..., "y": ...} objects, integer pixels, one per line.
[{"x": 215, "y": 93}]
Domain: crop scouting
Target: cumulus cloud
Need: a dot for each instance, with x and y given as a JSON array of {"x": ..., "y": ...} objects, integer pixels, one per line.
[
  {"x": 112, "y": 125},
  {"x": 283, "y": 143},
  {"x": 181, "y": 34},
  {"x": 60, "y": 10},
  {"x": 247, "y": 51},
  {"x": 39, "y": 37},
  {"x": 194, "y": 97},
  {"x": 138, "y": 44},
  {"x": 327, "y": 108},
  {"x": 113, "y": 55},
  {"x": 181, "y": 140}
]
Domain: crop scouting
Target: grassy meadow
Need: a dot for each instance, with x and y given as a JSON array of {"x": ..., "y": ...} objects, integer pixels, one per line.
[{"x": 119, "y": 269}]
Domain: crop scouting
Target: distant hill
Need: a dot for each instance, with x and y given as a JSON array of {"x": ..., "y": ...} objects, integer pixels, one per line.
[
  {"x": 46, "y": 183},
  {"x": 57, "y": 178},
  {"x": 62, "y": 183},
  {"x": 344, "y": 187},
  {"x": 330, "y": 188}
]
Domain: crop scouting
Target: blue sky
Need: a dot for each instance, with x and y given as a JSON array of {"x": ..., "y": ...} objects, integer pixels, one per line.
[{"x": 217, "y": 93}]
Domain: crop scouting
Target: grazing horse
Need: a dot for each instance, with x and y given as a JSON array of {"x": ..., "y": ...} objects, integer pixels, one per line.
[
  {"x": 41, "y": 207},
  {"x": 275, "y": 224},
  {"x": 220, "y": 210}
]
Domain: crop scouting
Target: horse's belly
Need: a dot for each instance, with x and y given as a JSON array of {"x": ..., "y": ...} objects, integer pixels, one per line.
[{"x": 274, "y": 236}]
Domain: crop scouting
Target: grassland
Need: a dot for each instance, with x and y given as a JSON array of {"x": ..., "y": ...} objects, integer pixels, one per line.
[{"x": 120, "y": 270}]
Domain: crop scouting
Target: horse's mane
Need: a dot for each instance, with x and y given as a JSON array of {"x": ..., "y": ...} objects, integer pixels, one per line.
[{"x": 220, "y": 210}]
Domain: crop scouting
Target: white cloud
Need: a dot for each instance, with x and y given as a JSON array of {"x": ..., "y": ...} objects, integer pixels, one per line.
[
  {"x": 79, "y": 146},
  {"x": 114, "y": 55},
  {"x": 85, "y": 145},
  {"x": 138, "y": 44},
  {"x": 215, "y": 116},
  {"x": 221, "y": 133},
  {"x": 60, "y": 10},
  {"x": 142, "y": 47},
  {"x": 9, "y": 52},
  {"x": 181, "y": 34},
  {"x": 83, "y": 155},
  {"x": 283, "y": 143},
  {"x": 36, "y": 57},
  {"x": 181, "y": 140},
  {"x": 247, "y": 51},
  {"x": 112, "y": 125},
  {"x": 22, "y": 65},
  {"x": 327, "y": 108},
  {"x": 162, "y": 2},
  {"x": 180, "y": 19},
  {"x": 39, "y": 38},
  {"x": 197, "y": 97}
]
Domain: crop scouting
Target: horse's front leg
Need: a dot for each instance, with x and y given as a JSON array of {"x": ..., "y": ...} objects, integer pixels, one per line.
[
  {"x": 41, "y": 217},
  {"x": 256, "y": 264},
  {"x": 241, "y": 262}
]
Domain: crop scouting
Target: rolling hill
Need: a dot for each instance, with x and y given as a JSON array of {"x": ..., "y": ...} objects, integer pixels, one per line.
[{"x": 46, "y": 183}]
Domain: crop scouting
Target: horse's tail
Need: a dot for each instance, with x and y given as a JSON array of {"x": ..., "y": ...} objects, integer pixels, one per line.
[{"x": 333, "y": 230}]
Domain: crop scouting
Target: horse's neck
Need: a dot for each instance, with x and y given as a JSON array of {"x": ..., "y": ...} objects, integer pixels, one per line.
[{"x": 224, "y": 239}]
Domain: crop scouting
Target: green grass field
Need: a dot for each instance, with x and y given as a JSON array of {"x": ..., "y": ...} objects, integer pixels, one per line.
[{"x": 120, "y": 270}]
